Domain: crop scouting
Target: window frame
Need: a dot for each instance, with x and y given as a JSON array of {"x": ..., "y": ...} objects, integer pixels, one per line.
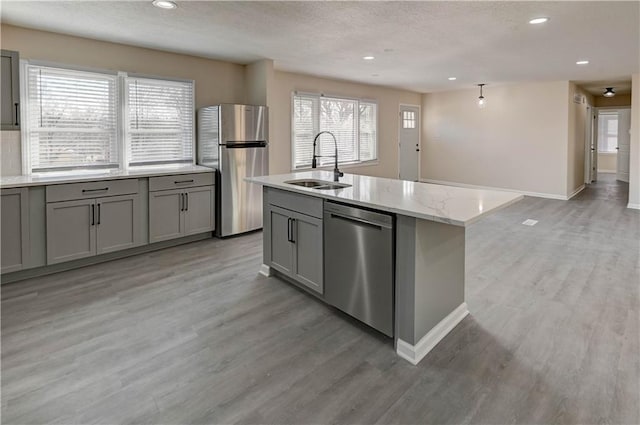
[
  {"x": 343, "y": 164},
  {"x": 122, "y": 108},
  {"x": 608, "y": 115}
]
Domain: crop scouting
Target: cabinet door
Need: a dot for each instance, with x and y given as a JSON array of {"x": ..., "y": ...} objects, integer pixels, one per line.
[
  {"x": 280, "y": 248},
  {"x": 10, "y": 91},
  {"x": 198, "y": 210},
  {"x": 71, "y": 230},
  {"x": 165, "y": 215},
  {"x": 117, "y": 221},
  {"x": 307, "y": 258},
  {"x": 14, "y": 229}
]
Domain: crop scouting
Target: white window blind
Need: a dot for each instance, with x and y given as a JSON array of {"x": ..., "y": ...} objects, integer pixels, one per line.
[
  {"x": 159, "y": 128},
  {"x": 352, "y": 121},
  {"x": 71, "y": 119}
]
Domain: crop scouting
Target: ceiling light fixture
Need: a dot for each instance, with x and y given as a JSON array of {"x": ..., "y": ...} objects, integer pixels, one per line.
[
  {"x": 536, "y": 21},
  {"x": 164, "y": 4},
  {"x": 368, "y": 58},
  {"x": 582, "y": 62},
  {"x": 452, "y": 78},
  {"x": 482, "y": 102},
  {"x": 609, "y": 92}
]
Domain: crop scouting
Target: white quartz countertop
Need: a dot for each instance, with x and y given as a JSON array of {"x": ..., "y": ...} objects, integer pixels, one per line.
[
  {"x": 61, "y": 178},
  {"x": 446, "y": 204}
]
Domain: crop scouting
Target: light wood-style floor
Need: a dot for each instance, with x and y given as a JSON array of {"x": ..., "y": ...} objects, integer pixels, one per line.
[{"x": 193, "y": 334}]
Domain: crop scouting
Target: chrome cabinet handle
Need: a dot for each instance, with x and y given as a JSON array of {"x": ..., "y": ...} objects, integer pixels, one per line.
[
  {"x": 98, "y": 220},
  {"x": 94, "y": 190},
  {"x": 93, "y": 214},
  {"x": 183, "y": 181},
  {"x": 17, "y": 115},
  {"x": 186, "y": 202}
]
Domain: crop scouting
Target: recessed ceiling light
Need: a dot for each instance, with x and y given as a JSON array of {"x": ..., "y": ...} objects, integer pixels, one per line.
[
  {"x": 536, "y": 21},
  {"x": 452, "y": 78},
  {"x": 368, "y": 58},
  {"x": 164, "y": 4},
  {"x": 583, "y": 62}
]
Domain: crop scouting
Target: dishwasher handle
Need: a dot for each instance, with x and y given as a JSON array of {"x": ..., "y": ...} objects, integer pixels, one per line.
[{"x": 357, "y": 220}]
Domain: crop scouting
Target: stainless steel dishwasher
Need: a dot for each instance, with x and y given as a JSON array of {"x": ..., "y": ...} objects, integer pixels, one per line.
[{"x": 358, "y": 258}]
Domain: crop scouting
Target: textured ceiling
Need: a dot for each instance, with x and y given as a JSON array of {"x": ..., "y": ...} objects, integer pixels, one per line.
[{"x": 417, "y": 45}]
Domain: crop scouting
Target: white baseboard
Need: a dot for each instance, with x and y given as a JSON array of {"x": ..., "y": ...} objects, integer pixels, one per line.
[
  {"x": 415, "y": 353},
  {"x": 633, "y": 206},
  {"x": 575, "y": 192},
  {"x": 265, "y": 270},
  {"x": 522, "y": 192},
  {"x": 607, "y": 171}
]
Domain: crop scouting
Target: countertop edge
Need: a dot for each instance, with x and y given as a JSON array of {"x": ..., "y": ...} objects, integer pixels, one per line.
[
  {"x": 48, "y": 181},
  {"x": 327, "y": 195}
]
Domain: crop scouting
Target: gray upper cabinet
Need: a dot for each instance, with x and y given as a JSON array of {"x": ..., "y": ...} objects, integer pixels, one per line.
[
  {"x": 14, "y": 229},
  {"x": 80, "y": 228},
  {"x": 189, "y": 210},
  {"x": 10, "y": 91},
  {"x": 293, "y": 240}
]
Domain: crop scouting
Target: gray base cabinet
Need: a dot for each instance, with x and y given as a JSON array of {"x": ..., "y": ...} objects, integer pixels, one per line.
[
  {"x": 187, "y": 210},
  {"x": 82, "y": 221},
  {"x": 71, "y": 232},
  {"x": 14, "y": 229},
  {"x": 293, "y": 239}
]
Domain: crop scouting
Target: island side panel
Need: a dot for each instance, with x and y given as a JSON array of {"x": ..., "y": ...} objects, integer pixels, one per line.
[
  {"x": 439, "y": 273},
  {"x": 405, "y": 279},
  {"x": 266, "y": 234}
]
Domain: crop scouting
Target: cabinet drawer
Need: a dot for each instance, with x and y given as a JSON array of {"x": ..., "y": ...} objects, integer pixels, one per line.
[
  {"x": 88, "y": 190},
  {"x": 304, "y": 204},
  {"x": 180, "y": 181}
]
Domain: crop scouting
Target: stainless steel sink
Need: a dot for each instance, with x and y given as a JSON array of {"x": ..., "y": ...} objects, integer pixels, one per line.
[{"x": 318, "y": 184}]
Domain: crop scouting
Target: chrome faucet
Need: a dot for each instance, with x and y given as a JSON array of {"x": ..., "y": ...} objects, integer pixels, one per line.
[{"x": 336, "y": 173}]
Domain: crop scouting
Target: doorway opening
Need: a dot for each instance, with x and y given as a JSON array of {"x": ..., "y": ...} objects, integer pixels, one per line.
[{"x": 612, "y": 126}]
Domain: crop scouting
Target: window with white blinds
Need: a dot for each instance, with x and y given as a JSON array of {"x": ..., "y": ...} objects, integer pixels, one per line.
[
  {"x": 78, "y": 119},
  {"x": 352, "y": 121},
  {"x": 71, "y": 119},
  {"x": 159, "y": 126}
]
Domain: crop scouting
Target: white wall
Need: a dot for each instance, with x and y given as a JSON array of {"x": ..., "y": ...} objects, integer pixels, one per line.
[
  {"x": 634, "y": 161},
  {"x": 518, "y": 142},
  {"x": 388, "y": 99}
]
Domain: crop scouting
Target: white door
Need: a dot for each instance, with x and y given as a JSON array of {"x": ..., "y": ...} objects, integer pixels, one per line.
[
  {"x": 624, "y": 143},
  {"x": 409, "y": 143}
]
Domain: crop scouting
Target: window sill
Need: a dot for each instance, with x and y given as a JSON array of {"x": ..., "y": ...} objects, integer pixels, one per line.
[{"x": 346, "y": 165}]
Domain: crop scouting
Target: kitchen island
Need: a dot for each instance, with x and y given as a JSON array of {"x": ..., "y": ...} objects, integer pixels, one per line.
[{"x": 428, "y": 256}]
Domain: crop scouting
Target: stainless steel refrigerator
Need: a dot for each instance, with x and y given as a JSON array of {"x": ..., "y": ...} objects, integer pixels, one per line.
[{"x": 233, "y": 140}]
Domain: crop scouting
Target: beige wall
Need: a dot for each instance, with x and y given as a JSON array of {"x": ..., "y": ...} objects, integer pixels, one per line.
[
  {"x": 215, "y": 81},
  {"x": 518, "y": 142},
  {"x": 388, "y": 99},
  {"x": 578, "y": 116},
  {"x": 607, "y": 162},
  {"x": 617, "y": 100},
  {"x": 634, "y": 161}
]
